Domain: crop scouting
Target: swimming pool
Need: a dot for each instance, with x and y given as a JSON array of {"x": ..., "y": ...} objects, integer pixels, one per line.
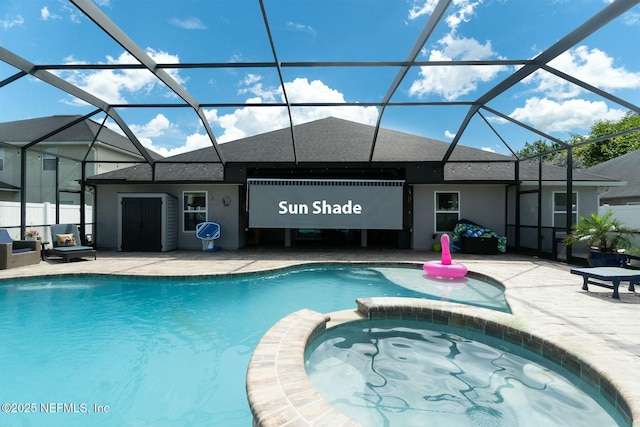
[
  {"x": 408, "y": 373},
  {"x": 161, "y": 351}
]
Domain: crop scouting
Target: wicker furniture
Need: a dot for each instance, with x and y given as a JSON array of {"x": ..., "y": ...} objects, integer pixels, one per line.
[{"x": 17, "y": 253}]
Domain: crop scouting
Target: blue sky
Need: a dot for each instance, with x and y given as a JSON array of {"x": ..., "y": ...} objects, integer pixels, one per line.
[{"x": 226, "y": 31}]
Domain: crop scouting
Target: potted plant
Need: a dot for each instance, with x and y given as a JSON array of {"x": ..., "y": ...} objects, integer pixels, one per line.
[
  {"x": 605, "y": 236},
  {"x": 31, "y": 234}
]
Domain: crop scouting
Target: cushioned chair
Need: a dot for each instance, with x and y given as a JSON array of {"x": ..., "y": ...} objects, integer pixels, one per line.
[
  {"x": 66, "y": 243},
  {"x": 17, "y": 253}
]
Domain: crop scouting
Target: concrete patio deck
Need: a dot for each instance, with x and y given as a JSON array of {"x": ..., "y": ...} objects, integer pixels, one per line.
[{"x": 543, "y": 295}]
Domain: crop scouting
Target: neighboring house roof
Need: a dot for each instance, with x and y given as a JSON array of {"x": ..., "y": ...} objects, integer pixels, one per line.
[
  {"x": 337, "y": 141},
  {"x": 6, "y": 186},
  {"x": 623, "y": 168},
  {"x": 22, "y": 132}
]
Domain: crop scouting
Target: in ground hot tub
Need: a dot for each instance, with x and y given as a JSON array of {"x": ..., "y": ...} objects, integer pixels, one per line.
[{"x": 410, "y": 373}]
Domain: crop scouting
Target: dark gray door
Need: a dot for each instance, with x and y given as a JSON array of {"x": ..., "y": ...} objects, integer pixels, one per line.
[{"x": 142, "y": 224}]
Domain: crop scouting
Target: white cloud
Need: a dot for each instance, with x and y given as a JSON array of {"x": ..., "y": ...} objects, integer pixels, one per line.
[
  {"x": 115, "y": 86},
  {"x": 591, "y": 66},
  {"x": 46, "y": 15},
  {"x": 248, "y": 121},
  {"x": 193, "y": 142},
  {"x": 463, "y": 11},
  {"x": 453, "y": 82},
  {"x": 449, "y": 135},
  {"x": 558, "y": 108},
  {"x": 156, "y": 127},
  {"x": 301, "y": 27},
  {"x": 552, "y": 116},
  {"x": 188, "y": 23},
  {"x": 424, "y": 7},
  {"x": 11, "y": 22},
  {"x": 489, "y": 149}
]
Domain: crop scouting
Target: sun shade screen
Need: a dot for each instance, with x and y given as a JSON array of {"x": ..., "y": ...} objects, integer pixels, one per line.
[{"x": 302, "y": 203}]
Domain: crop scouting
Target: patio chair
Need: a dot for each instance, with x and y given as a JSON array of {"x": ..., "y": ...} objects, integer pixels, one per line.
[
  {"x": 208, "y": 232},
  {"x": 66, "y": 243},
  {"x": 17, "y": 253}
]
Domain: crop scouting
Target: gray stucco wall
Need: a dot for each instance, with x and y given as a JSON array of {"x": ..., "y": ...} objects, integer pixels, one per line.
[
  {"x": 483, "y": 204},
  {"x": 587, "y": 203},
  {"x": 228, "y": 216}
]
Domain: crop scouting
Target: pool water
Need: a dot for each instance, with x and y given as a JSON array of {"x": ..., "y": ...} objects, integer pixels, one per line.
[
  {"x": 123, "y": 351},
  {"x": 406, "y": 373}
]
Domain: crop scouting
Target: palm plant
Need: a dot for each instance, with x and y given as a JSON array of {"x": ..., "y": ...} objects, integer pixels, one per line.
[{"x": 602, "y": 232}]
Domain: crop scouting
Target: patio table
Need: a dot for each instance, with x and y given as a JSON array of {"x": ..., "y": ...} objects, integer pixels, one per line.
[{"x": 615, "y": 275}]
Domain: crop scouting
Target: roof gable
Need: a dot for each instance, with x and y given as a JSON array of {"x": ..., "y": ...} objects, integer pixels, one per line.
[
  {"x": 623, "y": 168},
  {"x": 22, "y": 132},
  {"x": 338, "y": 140}
]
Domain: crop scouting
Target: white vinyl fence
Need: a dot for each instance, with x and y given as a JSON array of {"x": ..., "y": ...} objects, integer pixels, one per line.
[
  {"x": 629, "y": 215},
  {"x": 40, "y": 216}
]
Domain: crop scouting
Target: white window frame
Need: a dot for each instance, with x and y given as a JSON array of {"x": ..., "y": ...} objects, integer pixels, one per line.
[
  {"x": 443, "y": 211},
  {"x": 189, "y": 210},
  {"x": 554, "y": 211},
  {"x": 49, "y": 156}
]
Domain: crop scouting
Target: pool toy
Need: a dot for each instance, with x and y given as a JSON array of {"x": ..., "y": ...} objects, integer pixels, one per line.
[{"x": 445, "y": 267}]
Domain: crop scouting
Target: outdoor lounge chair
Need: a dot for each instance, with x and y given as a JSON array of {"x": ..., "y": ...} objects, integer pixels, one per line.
[
  {"x": 17, "y": 253},
  {"x": 66, "y": 243}
]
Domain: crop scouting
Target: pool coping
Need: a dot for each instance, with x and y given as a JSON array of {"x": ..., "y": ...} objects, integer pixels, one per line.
[{"x": 280, "y": 393}]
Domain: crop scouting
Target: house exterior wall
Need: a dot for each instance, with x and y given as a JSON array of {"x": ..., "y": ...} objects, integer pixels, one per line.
[
  {"x": 41, "y": 184},
  {"x": 482, "y": 204},
  {"x": 228, "y": 213},
  {"x": 587, "y": 203}
]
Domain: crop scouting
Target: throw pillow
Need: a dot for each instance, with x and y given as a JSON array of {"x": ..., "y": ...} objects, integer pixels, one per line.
[{"x": 66, "y": 240}]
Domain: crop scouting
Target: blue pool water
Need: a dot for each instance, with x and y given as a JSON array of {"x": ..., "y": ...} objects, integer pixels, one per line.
[
  {"x": 408, "y": 373},
  {"x": 97, "y": 350}
]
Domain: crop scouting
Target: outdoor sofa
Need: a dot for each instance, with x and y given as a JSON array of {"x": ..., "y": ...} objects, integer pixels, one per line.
[{"x": 17, "y": 253}]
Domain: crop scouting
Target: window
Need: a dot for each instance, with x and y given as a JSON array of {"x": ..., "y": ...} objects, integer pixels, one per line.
[
  {"x": 560, "y": 208},
  {"x": 1, "y": 158},
  {"x": 194, "y": 207},
  {"x": 447, "y": 211},
  {"x": 49, "y": 162}
]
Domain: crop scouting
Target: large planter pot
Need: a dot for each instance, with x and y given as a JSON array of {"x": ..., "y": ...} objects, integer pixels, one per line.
[{"x": 604, "y": 259}]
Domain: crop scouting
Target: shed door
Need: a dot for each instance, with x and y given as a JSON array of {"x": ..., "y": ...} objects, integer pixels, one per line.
[{"x": 142, "y": 224}]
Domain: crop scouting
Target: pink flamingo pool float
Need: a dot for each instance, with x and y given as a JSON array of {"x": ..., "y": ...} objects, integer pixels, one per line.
[{"x": 445, "y": 267}]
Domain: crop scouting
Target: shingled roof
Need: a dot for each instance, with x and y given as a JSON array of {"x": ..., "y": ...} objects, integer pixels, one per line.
[
  {"x": 22, "y": 132},
  {"x": 337, "y": 141},
  {"x": 623, "y": 168}
]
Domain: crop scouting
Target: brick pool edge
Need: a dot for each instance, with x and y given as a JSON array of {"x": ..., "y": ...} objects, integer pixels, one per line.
[{"x": 279, "y": 391}]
